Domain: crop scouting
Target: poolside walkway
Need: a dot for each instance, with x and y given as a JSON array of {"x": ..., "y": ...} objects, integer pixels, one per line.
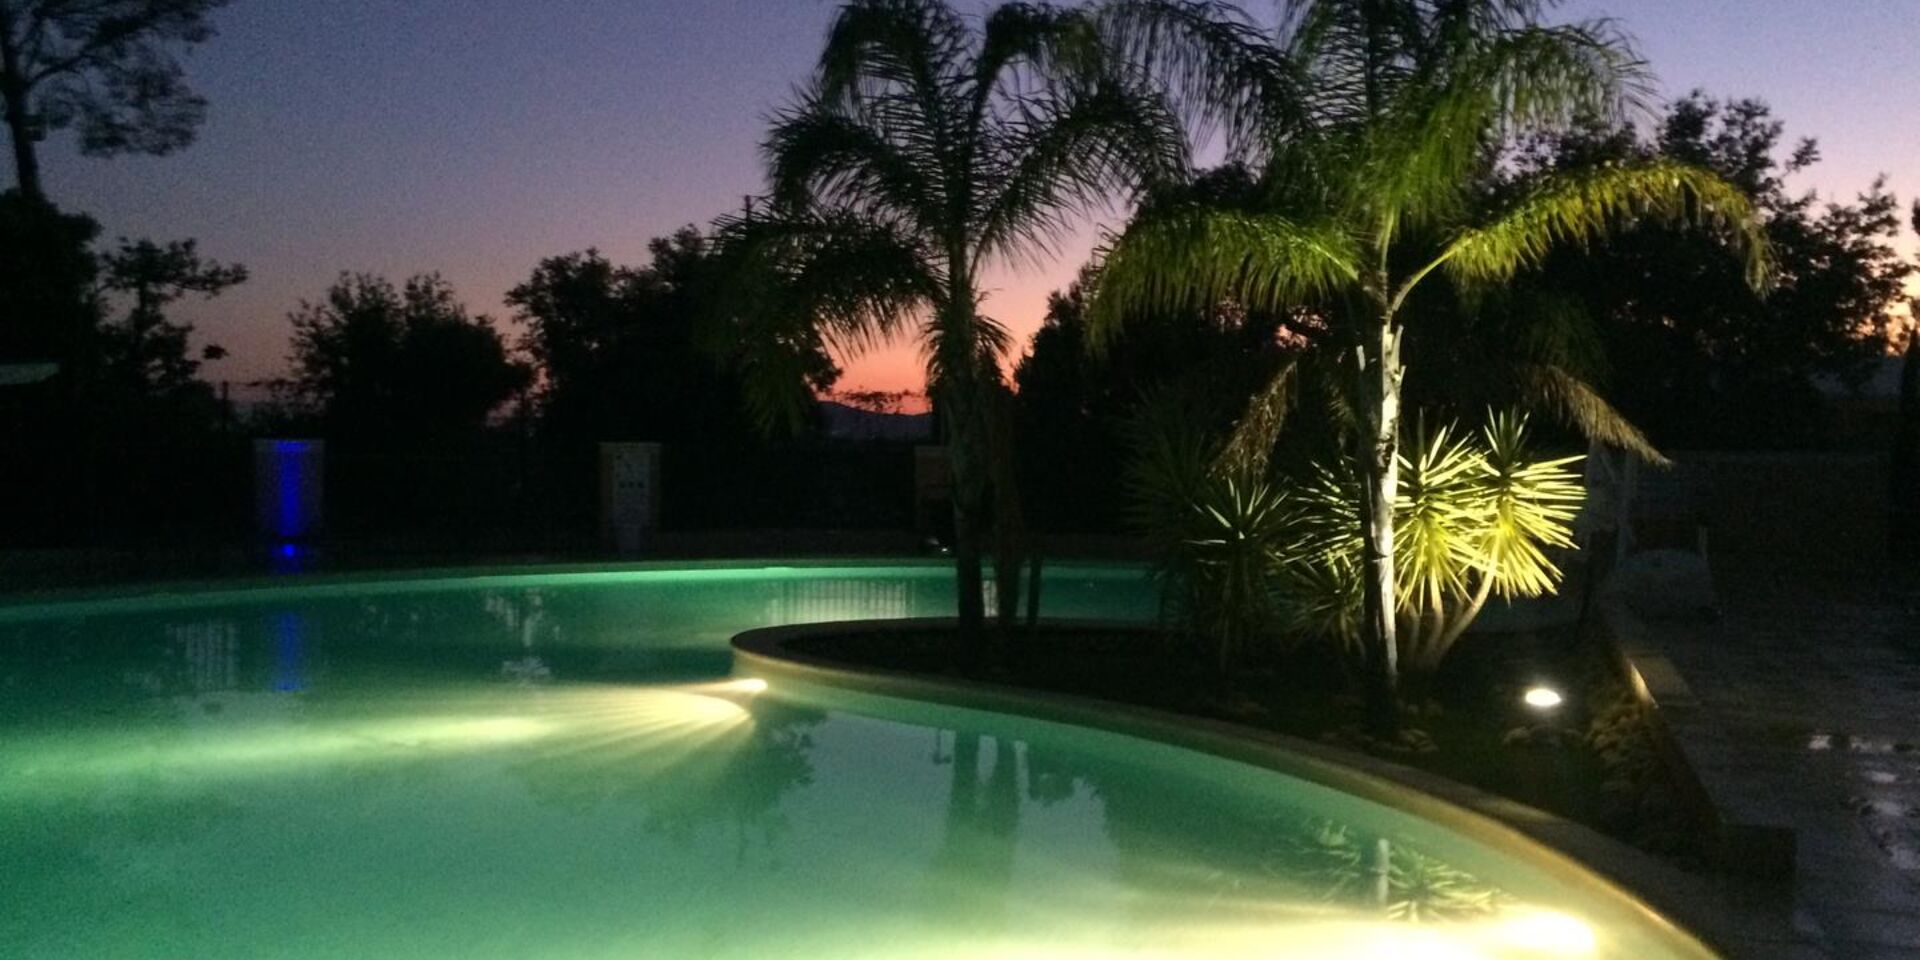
[{"x": 1806, "y": 712}]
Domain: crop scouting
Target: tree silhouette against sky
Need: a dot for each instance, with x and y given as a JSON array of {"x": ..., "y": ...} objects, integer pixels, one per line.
[
  {"x": 103, "y": 67},
  {"x": 923, "y": 150}
]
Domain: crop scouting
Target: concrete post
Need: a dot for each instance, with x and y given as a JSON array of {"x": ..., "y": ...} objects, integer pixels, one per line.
[{"x": 629, "y": 495}]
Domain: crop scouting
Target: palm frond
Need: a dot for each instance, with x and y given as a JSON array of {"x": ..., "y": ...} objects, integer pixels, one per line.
[
  {"x": 874, "y": 46},
  {"x": 1223, "y": 72},
  {"x": 1195, "y": 258},
  {"x": 1055, "y": 42},
  {"x": 1067, "y": 153},
  {"x": 817, "y": 155},
  {"x": 1421, "y": 155},
  {"x": 1577, "y": 208},
  {"x": 1249, "y": 450},
  {"x": 1580, "y": 406},
  {"x": 803, "y": 278},
  {"x": 963, "y": 349}
]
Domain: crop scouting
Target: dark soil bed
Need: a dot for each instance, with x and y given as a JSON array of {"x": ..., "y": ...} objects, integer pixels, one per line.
[{"x": 1593, "y": 760}]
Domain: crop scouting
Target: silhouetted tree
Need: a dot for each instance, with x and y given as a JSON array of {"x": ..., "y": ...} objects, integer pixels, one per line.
[
  {"x": 401, "y": 364},
  {"x": 146, "y": 351},
  {"x": 1691, "y": 350},
  {"x": 47, "y": 277},
  {"x": 106, "y": 67},
  {"x": 125, "y": 439},
  {"x": 401, "y": 382},
  {"x": 1905, "y": 476},
  {"x": 624, "y": 354}
]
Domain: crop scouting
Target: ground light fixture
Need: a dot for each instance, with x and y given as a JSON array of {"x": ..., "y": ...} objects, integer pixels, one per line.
[{"x": 1542, "y": 697}]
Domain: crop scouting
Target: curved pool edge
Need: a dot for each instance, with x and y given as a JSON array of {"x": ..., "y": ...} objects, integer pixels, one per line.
[
  {"x": 1661, "y": 896},
  {"x": 30, "y": 603}
]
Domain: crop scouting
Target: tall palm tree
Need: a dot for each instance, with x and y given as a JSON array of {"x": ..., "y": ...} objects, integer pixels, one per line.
[
  {"x": 1373, "y": 124},
  {"x": 925, "y": 149}
]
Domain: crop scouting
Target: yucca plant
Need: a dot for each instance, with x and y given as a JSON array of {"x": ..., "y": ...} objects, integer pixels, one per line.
[
  {"x": 1218, "y": 534},
  {"x": 1475, "y": 517}
]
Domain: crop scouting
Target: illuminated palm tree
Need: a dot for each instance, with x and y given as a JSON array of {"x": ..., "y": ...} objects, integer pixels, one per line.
[
  {"x": 924, "y": 150},
  {"x": 1373, "y": 124}
]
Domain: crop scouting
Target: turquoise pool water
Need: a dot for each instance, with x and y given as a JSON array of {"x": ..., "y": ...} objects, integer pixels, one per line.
[{"x": 560, "y": 766}]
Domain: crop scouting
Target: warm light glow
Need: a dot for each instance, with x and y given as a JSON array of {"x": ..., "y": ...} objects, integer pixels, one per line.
[
  {"x": 1542, "y": 698},
  {"x": 665, "y": 724},
  {"x": 1547, "y": 934},
  {"x": 1528, "y": 935}
]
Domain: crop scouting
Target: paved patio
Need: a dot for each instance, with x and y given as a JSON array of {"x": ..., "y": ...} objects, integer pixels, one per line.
[{"x": 1805, "y": 713}]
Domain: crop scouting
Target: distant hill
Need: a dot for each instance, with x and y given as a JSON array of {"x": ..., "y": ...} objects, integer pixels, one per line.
[{"x": 852, "y": 423}]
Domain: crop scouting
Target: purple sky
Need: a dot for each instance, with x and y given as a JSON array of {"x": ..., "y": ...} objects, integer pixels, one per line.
[{"x": 474, "y": 137}]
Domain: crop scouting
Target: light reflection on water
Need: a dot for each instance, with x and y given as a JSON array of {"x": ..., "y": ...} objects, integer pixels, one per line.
[{"x": 565, "y": 771}]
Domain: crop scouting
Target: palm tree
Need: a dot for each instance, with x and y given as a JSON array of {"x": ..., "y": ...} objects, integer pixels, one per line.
[
  {"x": 1373, "y": 124},
  {"x": 924, "y": 150}
]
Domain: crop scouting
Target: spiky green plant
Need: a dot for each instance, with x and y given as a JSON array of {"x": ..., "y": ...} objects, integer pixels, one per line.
[
  {"x": 1217, "y": 535},
  {"x": 1475, "y": 517},
  {"x": 939, "y": 146},
  {"x": 1240, "y": 531},
  {"x": 1370, "y": 123}
]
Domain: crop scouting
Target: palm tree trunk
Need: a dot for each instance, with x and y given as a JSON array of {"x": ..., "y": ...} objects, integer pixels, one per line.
[
  {"x": 968, "y": 450},
  {"x": 1009, "y": 521},
  {"x": 969, "y": 502},
  {"x": 1381, "y": 375}
]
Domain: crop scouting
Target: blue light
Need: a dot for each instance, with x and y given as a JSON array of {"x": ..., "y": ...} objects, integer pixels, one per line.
[
  {"x": 289, "y": 551},
  {"x": 290, "y": 509}
]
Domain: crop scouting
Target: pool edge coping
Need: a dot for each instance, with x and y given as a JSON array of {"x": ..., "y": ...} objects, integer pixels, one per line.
[
  {"x": 1686, "y": 908},
  {"x": 33, "y": 602}
]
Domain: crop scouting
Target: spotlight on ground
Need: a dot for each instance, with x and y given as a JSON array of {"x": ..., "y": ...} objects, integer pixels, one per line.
[{"x": 1542, "y": 697}]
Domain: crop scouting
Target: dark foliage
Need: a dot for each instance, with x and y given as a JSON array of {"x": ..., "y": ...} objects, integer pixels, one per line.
[
  {"x": 105, "y": 68},
  {"x": 124, "y": 442},
  {"x": 1073, "y": 402},
  {"x": 1688, "y": 350},
  {"x": 146, "y": 351},
  {"x": 626, "y": 353},
  {"x": 401, "y": 382},
  {"x": 47, "y": 311}
]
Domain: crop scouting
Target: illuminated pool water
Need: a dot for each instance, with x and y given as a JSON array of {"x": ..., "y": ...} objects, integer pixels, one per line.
[{"x": 559, "y": 766}]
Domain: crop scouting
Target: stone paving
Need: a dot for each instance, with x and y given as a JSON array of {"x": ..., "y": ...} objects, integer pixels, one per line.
[{"x": 1806, "y": 714}]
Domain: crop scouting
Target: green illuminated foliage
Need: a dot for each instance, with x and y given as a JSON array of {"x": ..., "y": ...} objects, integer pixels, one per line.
[{"x": 1477, "y": 514}]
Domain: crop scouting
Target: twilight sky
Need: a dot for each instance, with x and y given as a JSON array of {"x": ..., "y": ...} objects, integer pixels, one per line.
[{"x": 473, "y": 137}]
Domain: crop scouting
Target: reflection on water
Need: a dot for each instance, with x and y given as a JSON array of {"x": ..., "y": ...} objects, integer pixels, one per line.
[{"x": 551, "y": 770}]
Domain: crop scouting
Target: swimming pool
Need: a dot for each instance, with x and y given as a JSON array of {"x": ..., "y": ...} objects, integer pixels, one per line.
[{"x": 560, "y": 765}]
